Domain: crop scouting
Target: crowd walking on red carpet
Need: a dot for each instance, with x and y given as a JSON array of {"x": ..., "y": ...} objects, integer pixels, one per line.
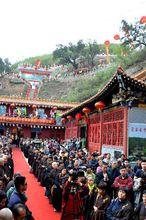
[
  {"x": 86, "y": 186},
  {"x": 78, "y": 184}
]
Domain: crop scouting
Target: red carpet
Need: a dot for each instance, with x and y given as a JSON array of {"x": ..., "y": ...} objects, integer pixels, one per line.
[{"x": 37, "y": 202}]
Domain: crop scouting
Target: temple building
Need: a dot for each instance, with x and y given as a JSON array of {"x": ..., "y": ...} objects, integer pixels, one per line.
[
  {"x": 114, "y": 120},
  {"x": 32, "y": 118}
]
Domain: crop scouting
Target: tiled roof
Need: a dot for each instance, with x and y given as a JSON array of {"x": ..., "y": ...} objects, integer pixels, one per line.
[
  {"x": 113, "y": 82},
  {"x": 37, "y": 102}
]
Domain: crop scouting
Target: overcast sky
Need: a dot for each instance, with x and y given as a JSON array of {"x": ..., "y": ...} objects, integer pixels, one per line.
[{"x": 35, "y": 27}]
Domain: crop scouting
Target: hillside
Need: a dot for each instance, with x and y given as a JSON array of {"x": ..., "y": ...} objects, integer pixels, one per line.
[
  {"x": 79, "y": 88},
  {"x": 76, "y": 88},
  {"x": 11, "y": 86}
]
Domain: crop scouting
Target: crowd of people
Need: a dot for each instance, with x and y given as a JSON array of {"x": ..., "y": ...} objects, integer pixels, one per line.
[
  {"x": 78, "y": 184},
  {"x": 87, "y": 186},
  {"x": 12, "y": 186}
]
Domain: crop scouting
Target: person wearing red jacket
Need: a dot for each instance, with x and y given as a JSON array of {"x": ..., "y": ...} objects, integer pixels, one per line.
[{"x": 123, "y": 181}]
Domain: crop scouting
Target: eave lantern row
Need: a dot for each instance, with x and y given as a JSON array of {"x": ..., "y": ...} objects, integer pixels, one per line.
[{"x": 98, "y": 105}]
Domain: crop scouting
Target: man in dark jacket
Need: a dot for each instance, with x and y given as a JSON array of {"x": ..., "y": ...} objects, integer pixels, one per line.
[
  {"x": 119, "y": 208},
  {"x": 18, "y": 195},
  {"x": 104, "y": 177}
]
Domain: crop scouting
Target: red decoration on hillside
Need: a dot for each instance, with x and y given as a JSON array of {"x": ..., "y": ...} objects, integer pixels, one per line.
[
  {"x": 99, "y": 105},
  {"x": 143, "y": 20},
  {"x": 107, "y": 43},
  {"x": 116, "y": 36}
]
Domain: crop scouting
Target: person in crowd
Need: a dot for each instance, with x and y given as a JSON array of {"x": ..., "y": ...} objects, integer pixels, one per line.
[
  {"x": 138, "y": 165},
  {"x": 101, "y": 203},
  {"x": 99, "y": 168},
  {"x": 56, "y": 195},
  {"x": 107, "y": 158},
  {"x": 119, "y": 208},
  {"x": 11, "y": 186},
  {"x": 140, "y": 210},
  {"x": 73, "y": 205},
  {"x": 90, "y": 198},
  {"x": 11, "y": 182},
  {"x": 104, "y": 177},
  {"x": 113, "y": 171},
  {"x": 19, "y": 212},
  {"x": 90, "y": 173},
  {"x": 123, "y": 181},
  {"x": 141, "y": 173},
  {"x": 3, "y": 199},
  {"x": 130, "y": 171},
  {"x": 63, "y": 177},
  {"x": 139, "y": 183},
  {"x": 2, "y": 184},
  {"x": 93, "y": 162},
  {"x": 126, "y": 163},
  {"x": 18, "y": 195},
  {"x": 6, "y": 214}
]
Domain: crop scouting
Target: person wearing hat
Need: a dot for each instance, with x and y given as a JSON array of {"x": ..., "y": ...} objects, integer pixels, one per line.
[
  {"x": 120, "y": 208},
  {"x": 101, "y": 203},
  {"x": 140, "y": 210}
]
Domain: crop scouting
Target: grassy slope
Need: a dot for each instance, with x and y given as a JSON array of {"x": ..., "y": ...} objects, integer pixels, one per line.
[{"x": 78, "y": 89}]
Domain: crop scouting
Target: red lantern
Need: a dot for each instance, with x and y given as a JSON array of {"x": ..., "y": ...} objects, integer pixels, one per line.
[
  {"x": 99, "y": 105},
  {"x": 116, "y": 37},
  {"x": 52, "y": 121},
  {"x": 69, "y": 117},
  {"x": 107, "y": 43},
  {"x": 78, "y": 116},
  {"x": 143, "y": 20},
  {"x": 86, "y": 110},
  {"x": 63, "y": 120}
]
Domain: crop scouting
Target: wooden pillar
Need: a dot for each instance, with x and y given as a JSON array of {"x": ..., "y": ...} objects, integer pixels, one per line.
[{"x": 125, "y": 131}]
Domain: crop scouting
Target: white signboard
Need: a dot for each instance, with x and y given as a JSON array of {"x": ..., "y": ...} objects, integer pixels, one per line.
[
  {"x": 113, "y": 150},
  {"x": 137, "y": 130}
]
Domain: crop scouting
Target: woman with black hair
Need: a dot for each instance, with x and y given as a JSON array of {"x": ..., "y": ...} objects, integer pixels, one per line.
[
  {"x": 101, "y": 203},
  {"x": 120, "y": 208}
]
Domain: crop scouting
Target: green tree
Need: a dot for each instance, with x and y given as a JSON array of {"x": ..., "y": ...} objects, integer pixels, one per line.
[
  {"x": 2, "y": 66},
  {"x": 134, "y": 35},
  {"x": 90, "y": 51},
  {"x": 5, "y": 66},
  {"x": 69, "y": 54}
]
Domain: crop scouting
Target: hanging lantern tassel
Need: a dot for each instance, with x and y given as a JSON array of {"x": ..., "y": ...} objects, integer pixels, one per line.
[
  {"x": 86, "y": 111},
  {"x": 107, "y": 44}
]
